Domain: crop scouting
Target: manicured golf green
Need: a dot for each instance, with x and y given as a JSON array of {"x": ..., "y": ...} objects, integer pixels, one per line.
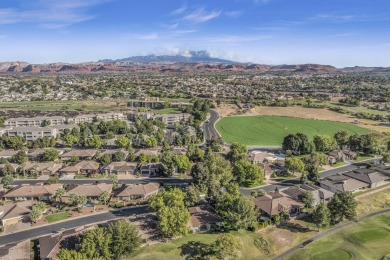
[
  {"x": 368, "y": 239},
  {"x": 270, "y": 130}
]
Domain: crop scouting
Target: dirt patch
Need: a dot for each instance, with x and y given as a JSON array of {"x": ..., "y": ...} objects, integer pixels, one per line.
[{"x": 227, "y": 109}]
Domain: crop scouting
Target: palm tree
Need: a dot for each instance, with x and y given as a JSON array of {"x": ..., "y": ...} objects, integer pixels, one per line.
[
  {"x": 59, "y": 194},
  {"x": 105, "y": 197}
]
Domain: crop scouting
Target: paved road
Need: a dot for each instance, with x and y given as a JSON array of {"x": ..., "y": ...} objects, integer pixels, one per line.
[
  {"x": 322, "y": 234},
  {"x": 209, "y": 126},
  {"x": 323, "y": 174},
  {"x": 89, "y": 220},
  {"x": 87, "y": 181}
]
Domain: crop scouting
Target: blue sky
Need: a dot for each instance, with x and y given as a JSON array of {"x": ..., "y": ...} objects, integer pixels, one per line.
[{"x": 335, "y": 32}]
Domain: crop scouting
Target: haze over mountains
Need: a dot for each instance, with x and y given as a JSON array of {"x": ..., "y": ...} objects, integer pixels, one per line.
[{"x": 187, "y": 62}]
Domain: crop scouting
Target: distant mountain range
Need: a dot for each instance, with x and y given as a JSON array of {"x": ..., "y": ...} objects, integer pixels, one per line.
[
  {"x": 187, "y": 62},
  {"x": 186, "y": 57}
]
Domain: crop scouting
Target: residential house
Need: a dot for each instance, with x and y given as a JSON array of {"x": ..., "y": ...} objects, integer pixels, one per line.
[
  {"x": 86, "y": 154},
  {"x": 30, "y": 192},
  {"x": 87, "y": 167},
  {"x": 342, "y": 183},
  {"x": 371, "y": 176},
  {"x": 258, "y": 157},
  {"x": 19, "y": 251},
  {"x": 147, "y": 152},
  {"x": 3, "y": 130},
  {"x": 341, "y": 155},
  {"x": 319, "y": 194},
  {"x": 203, "y": 218},
  {"x": 151, "y": 169},
  {"x": 91, "y": 191},
  {"x": 114, "y": 151},
  {"x": 120, "y": 168},
  {"x": 32, "y": 133},
  {"x": 50, "y": 245},
  {"x": 137, "y": 191},
  {"x": 35, "y": 121},
  {"x": 13, "y": 213},
  {"x": 273, "y": 203},
  {"x": 7, "y": 154},
  {"x": 46, "y": 168}
]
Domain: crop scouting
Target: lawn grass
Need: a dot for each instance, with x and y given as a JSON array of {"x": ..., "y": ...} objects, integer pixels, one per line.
[
  {"x": 270, "y": 130},
  {"x": 368, "y": 239},
  {"x": 362, "y": 157},
  {"x": 338, "y": 164},
  {"x": 166, "y": 111},
  {"x": 57, "y": 217},
  {"x": 176, "y": 249}
]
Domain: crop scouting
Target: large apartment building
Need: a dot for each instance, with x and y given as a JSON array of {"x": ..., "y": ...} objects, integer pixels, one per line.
[
  {"x": 110, "y": 116},
  {"x": 35, "y": 121},
  {"x": 32, "y": 133},
  {"x": 146, "y": 104},
  {"x": 171, "y": 119}
]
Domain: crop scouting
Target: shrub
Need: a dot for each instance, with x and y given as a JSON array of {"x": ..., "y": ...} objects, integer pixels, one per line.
[{"x": 263, "y": 244}]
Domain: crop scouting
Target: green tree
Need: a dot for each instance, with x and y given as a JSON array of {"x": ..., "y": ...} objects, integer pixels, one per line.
[
  {"x": 227, "y": 246},
  {"x": 58, "y": 194},
  {"x": 321, "y": 216},
  {"x": 66, "y": 254},
  {"x": 104, "y": 197},
  {"x": 342, "y": 138},
  {"x": 237, "y": 152},
  {"x": 248, "y": 173},
  {"x": 70, "y": 140},
  {"x": 77, "y": 200},
  {"x": 95, "y": 142},
  {"x": 236, "y": 210},
  {"x": 172, "y": 214},
  {"x": 342, "y": 205},
  {"x": 307, "y": 198},
  {"x": 324, "y": 143},
  {"x": 122, "y": 141},
  {"x": 125, "y": 238},
  {"x": 7, "y": 180},
  {"x": 182, "y": 162},
  {"x": 96, "y": 244},
  {"x": 8, "y": 170},
  {"x": 119, "y": 157},
  {"x": 20, "y": 157},
  {"x": 105, "y": 158},
  {"x": 15, "y": 142},
  {"x": 192, "y": 196},
  {"x": 294, "y": 164},
  {"x": 386, "y": 157},
  {"x": 151, "y": 142},
  {"x": 50, "y": 154},
  {"x": 297, "y": 143}
]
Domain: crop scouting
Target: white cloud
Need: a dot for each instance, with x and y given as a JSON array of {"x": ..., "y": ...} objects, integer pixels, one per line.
[
  {"x": 233, "y": 14},
  {"x": 179, "y": 10},
  {"x": 200, "y": 16},
  {"x": 51, "y": 14}
]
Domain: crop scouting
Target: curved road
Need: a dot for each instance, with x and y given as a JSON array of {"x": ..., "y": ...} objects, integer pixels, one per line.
[
  {"x": 322, "y": 234},
  {"x": 68, "y": 224},
  {"x": 209, "y": 126}
]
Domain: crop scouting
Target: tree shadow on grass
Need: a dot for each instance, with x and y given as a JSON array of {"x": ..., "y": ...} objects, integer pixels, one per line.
[
  {"x": 295, "y": 228},
  {"x": 194, "y": 250}
]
